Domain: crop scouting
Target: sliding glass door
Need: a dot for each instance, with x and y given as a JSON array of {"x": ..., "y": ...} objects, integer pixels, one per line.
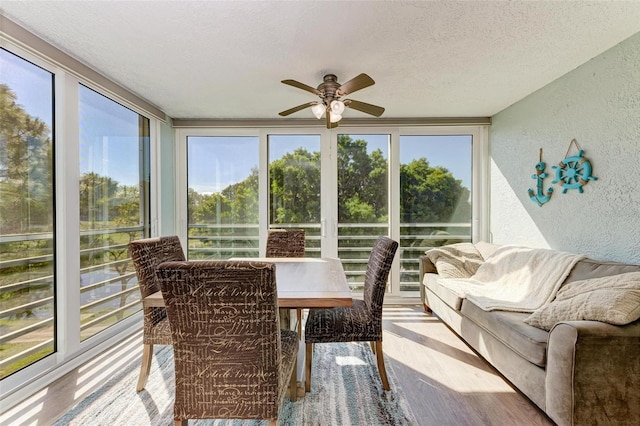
[
  {"x": 295, "y": 186},
  {"x": 27, "y": 272},
  {"x": 362, "y": 200},
  {"x": 343, "y": 188},
  {"x": 114, "y": 208},
  {"x": 435, "y": 197},
  {"x": 222, "y": 198}
]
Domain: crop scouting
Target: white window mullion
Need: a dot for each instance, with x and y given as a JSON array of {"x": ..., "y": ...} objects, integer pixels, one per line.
[
  {"x": 68, "y": 216},
  {"x": 480, "y": 197},
  {"x": 329, "y": 197},
  {"x": 155, "y": 184},
  {"x": 263, "y": 189},
  {"x": 180, "y": 212},
  {"x": 394, "y": 207}
]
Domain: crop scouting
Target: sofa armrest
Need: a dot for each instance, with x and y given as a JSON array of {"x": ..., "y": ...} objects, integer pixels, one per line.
[
  {"x": 593, "y": 373},
  {"x": 426, "y": 267}
]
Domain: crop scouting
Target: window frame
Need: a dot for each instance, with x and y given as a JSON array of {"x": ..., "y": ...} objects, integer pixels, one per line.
[
  {"x": 329, "y": 214},
  {"x": 70, "y": 351}
]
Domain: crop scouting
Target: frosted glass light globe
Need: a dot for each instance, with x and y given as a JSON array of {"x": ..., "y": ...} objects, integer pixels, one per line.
[
  {"x": 337, "y": 107},
  {"x": 318, "y": 110}
]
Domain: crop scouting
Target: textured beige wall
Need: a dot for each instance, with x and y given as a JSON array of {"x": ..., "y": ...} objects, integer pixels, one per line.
[{"x": 598, "y": 104}]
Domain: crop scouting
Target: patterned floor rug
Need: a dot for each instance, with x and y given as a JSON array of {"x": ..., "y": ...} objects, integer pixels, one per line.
[{"x": 346, "y": 390}]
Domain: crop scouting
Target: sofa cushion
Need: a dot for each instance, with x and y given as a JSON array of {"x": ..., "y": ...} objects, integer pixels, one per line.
[
  {"x": 612, "y": 299},
  {"x": 589, "y": 268},
  {"x": 455, "y": 260},
  {"x": 434, "y": 283},
  {"x": 509, "y": 327},
  {"x": 486, "y": 249}
]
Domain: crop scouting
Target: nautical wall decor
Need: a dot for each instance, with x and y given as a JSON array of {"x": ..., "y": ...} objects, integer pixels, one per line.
[
  {"x": 573, "y": 172},
  {"x": 539, "y": 196}
]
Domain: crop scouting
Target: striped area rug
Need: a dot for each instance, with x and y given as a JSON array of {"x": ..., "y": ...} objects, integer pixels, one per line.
[{"x": 346, "y": 390}]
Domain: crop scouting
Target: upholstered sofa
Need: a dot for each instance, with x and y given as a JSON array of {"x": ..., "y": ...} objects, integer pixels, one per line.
[{"x": 579, "y": 371}]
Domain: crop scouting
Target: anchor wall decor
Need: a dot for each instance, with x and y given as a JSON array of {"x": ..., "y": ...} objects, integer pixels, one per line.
[{"x": 539, "y": 197}]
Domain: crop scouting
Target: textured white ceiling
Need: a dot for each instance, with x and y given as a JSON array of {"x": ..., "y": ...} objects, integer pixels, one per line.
[{"x": 213, "y": 59}]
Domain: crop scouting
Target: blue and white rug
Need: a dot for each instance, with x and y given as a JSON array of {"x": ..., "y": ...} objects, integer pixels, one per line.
[{"x": 346, "y": 390}]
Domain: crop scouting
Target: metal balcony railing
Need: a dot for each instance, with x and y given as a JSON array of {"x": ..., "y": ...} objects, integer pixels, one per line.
[
  {"x": 354, "y": 244},
  {"x": 109, "y": 290}
]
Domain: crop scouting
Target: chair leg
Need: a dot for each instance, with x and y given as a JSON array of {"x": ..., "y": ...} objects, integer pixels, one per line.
[
  {"x": 181, "y": 422},
  {"x": 273, "y": 422},
  {"x": 299, "y": 313},
  {"x": 293, "y": 382},
  {"x": 308, "y": 359},
  {"x": 147, "y": 354},
  {"x": 373, "y": 346},
  {"x": 381, "y": 369}
]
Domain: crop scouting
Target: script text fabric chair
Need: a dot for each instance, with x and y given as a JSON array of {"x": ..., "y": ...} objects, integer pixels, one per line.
[
  {"x": 147, "y": 254},
  {"x": 285, "y": 243},
  {"x": 361, "y": 322},
  {"x": 232, "y": 361}
]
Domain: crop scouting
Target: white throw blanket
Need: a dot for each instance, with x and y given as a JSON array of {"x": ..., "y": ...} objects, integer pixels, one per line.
[{"x": 513, "y": 278}]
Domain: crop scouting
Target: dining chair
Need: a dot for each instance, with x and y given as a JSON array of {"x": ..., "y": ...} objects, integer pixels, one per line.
[
  {"x": 147, "y": 254},
  {"x": 232, "y": 360},
  {"x": 285, "y": 243},
  {"x": 361, "y": 322}
]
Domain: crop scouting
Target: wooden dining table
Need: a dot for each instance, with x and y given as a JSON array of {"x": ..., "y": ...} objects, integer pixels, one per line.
[{"x": 302, "y": 283}]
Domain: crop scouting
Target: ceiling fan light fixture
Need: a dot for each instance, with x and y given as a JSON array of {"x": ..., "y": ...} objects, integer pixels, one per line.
[
  {"x": 330, "y": 92},
  {"x": 318, "y": 110},
  {"x": 337, "y": 107}
]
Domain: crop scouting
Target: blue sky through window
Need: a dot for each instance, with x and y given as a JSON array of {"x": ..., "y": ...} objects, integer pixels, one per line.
[
  {"x": 234, "y": 156},
  {"x": 31, "y": 85}
]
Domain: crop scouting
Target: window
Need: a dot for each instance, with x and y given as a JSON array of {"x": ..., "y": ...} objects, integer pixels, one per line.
[
  {"x": 27, "y": 273},
  {"x": 363, "y": 200},
  {"x": 114, "y": 208},
  {"x": 222, "y": 199},
  {"x": 435, "y": 197},
  {"x": 294, "y": 186},
  {"x": 343, "y": 189}
]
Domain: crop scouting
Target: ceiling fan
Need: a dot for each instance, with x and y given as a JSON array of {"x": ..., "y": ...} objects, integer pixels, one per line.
[{"x": 330, "y": 93}]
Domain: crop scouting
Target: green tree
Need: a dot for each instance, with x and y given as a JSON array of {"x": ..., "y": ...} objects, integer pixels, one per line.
[
  {"x": 295, "y": 187},
  {"x": 25, "y": 169},
  {"x": 243, "y": 199},
  {"x": 125, "y": 209},
  {"x": 431, "y": 194},
  {"x": 212, "y": 209},
  {"x": 193, "y": 200},
  {"x": 97, "y": 195},
  {"x": 237, "y": 203},
  {"x": 362, "y": 182}
]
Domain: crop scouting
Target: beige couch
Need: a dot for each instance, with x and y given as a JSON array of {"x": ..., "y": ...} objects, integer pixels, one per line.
[{"x": 579, "y": 372}]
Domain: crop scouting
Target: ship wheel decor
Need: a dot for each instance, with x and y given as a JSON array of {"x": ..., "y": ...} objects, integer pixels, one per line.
[{"x": 573, "y": 172}]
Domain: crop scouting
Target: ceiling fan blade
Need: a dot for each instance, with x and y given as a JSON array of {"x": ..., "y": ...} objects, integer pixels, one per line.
[
  {"x": 364, "y": 107},
  {"x": 356, "y": 83},
  {"x": 296, "y": 109},
  {"x": 302, "y": 86}
]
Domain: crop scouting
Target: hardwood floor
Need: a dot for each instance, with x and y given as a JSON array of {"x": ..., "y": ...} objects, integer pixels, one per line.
[{"x": 445, "y": 382}]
